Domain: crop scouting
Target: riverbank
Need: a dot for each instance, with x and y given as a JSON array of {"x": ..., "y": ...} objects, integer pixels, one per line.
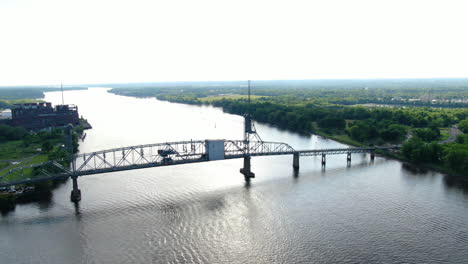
[
  {"x": 452, "y": 175},
  {"x": 339, "y": 138},
  {"x": 11, "y": 196},
  {"x": 398, "y": 156},
  {"x": 292, "y": 119},
  {"x": 85, "y": 124}
]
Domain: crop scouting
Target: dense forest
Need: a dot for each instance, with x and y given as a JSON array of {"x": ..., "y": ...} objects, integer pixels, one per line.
[{"x": 420, "y": 130}]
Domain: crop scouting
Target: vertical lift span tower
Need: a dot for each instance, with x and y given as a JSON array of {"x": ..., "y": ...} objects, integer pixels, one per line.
[{"x": 249, "y": 133}]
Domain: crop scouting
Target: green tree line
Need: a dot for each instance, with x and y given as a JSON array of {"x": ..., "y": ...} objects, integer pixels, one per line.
[{"x": 417, "y": 128}]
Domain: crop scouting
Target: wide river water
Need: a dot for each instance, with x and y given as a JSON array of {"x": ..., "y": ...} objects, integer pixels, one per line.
[{"x": 380, "y": 212}]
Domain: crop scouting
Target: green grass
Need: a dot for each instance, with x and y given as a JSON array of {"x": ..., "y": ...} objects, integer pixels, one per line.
[
  {"x": 227, "y": 96},
  {"x": 38, "y": 159},
  {"x": 345, "y": 139},
  {"x": 12, "y": 150},
  {"x": 16, "y": 150},
  {"x": 444, "y": 134},
  {"x": 27, "y": 172},
  {"x": 4, "y": 165}
]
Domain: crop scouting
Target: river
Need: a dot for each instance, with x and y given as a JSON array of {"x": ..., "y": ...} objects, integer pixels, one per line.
[{"x": 378, "y": 212}]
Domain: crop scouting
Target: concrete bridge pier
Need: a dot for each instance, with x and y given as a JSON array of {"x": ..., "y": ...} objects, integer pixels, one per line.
[
  {"x": 348, "y": 159},
  {"x": 324, "y": 160},
  {"x": 372, "y": 155},
  {"x": 75, "y": 195},
  {"x": 246, "y": 170},
  {"x": 296, "y": 161}
]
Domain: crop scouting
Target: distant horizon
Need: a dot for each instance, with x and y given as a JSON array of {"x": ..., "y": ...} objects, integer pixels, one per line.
[{"x": 214, "y": 81}]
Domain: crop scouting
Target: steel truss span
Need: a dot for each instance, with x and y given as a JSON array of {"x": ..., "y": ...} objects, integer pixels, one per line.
[{"x": 161, "y": 154}]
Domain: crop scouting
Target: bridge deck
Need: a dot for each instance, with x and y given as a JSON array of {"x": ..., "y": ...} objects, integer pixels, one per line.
[{"x": 162, "y": 154}]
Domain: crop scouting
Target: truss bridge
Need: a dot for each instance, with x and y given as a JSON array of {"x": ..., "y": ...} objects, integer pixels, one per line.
[{"x": 166, "y": 154}]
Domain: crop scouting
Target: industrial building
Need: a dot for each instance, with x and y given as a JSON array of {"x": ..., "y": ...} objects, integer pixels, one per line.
[
  {"x": 36, "y": 116},
  {"x": 5, "y": 114}
]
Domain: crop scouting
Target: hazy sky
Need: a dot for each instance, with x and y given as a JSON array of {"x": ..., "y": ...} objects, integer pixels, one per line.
[{"x": 93, "y": 41}]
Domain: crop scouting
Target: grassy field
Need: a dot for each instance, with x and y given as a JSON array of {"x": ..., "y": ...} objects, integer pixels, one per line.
[
  {"x": 12, "y": 150},
  {"x": 27, "y": 172},
  {"x": 345, "y": 139},
  {"x": 228, "y": 96},
  {"x": 16, "y": 150},
  {"x": 4, "y": 165},
  {"x": 444, "y": 133}
]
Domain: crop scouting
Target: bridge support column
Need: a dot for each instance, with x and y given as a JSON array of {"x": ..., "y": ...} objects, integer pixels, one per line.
[
  {"x": 372, "y": 156},
  {"x": 296, "y": 161},
  {"x": 246, "y": 170},
  {"x": 75, "y": 195},
  {"x": 348, "y": 159},
  {"x": 324, "y": 160}
]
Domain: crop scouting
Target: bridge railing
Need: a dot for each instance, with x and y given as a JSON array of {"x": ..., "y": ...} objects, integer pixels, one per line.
[
  {"x": 237, "y": 148},
  {"x": 37, "y": 172},
  {"x": 141, "y": 156},
  {"x": 336, "y": 151},
  {"x": 153, "y": 155}
]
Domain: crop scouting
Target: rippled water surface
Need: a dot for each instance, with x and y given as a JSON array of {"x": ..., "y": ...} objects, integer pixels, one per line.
[{"x": 379, "y": 212}]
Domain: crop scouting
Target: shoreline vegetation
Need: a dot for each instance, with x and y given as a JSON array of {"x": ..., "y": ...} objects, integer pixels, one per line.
[
  {"x": 419, "y": 130},
  {"x": 19, "y": 147},
  {"x": 29, "y": 148}
]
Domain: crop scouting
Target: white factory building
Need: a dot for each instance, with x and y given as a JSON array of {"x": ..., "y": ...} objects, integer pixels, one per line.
[{"x": 5, "y": 114}]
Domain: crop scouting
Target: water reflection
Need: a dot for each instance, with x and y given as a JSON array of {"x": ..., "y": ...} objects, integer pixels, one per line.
[
  {"x": 453, "y": 182},
  {"x": 414, "y": 169},
  {"x": 295, "y": 174},
  {"x": 5, "y": 210},
  {"x": 457, "y": 183},
  {"x": 215, "y": 204},
  {"x": 77, "y": 209},
  {"x": 42, "y": 200},
  {"x": 247, "y": 185}
]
